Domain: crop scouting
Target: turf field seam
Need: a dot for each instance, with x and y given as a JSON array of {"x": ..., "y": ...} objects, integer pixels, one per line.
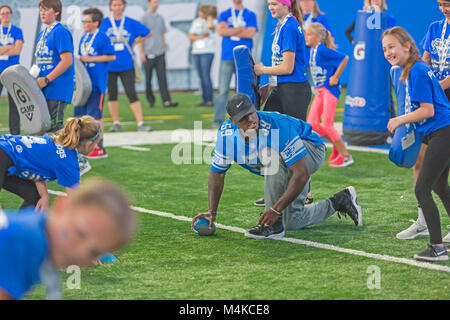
[{"x": 318, "y": 245}]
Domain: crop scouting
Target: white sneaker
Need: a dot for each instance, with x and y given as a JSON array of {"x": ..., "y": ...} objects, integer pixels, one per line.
[
  {"x": 447, "y": 237},
  {"x": 415, "y": 230}
]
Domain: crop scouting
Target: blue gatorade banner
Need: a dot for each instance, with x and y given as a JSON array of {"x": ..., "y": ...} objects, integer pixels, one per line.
[
  {"x": 406, "y": 142},
  {"x": 246, "y": 80},
  {"x": 368, "y": 102}
]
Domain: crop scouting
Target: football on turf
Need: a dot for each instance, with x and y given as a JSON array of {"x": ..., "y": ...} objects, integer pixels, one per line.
[{"x": 201, "y": 227}]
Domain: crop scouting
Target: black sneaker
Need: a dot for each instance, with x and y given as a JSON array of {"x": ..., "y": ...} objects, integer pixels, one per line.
[
  {"x": 262, "y": 232},
  {"x": 169, "y": 104},
  {"x": 309, "y": 200},
  {"x": 260, "y": 202},
  {"x": 432, "y": 253},
  {"x": 346, "y": 202}
]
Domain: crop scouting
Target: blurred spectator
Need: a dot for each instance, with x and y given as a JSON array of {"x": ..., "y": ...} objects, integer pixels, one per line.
[
  {"x": 312, "y": 13},
  {"x": 11, "y": 42},
  {"x": 372, "y": 5},
  {"x": 153, "y": 55},
  {"x": 203, "y": 47},
  {"x": 237, "y": 26}
]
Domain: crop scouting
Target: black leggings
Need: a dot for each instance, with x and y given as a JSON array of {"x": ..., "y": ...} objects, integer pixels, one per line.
[
  {"x": 434, "y": 176},
  {"x": 26, "y": 189},
  {"x": 291, "y": 98},
  {"x": 127, "y": 77}
]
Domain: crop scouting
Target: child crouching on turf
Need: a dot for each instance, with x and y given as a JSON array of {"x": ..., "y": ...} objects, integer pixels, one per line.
[{"x": 26, "y": 163}]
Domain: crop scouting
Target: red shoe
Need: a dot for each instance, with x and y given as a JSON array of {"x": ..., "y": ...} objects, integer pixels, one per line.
[
  {"x": 334, "y": 155},
  {"x": 342, "y": 161},
  {"x": 97, "y": 153}
]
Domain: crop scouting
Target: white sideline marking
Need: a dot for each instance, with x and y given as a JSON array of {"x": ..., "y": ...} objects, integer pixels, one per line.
[
  {"x": 318, "y": 245},
  {"x": 135, "y": 148}
]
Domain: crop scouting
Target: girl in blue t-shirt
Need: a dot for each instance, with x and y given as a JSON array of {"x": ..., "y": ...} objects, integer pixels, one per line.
[
  {"x": 291, "y": 92},
  {"x": 26, "y": 163},
  {"x": 326, "y": 66},
  {"x": 312, "y": 14},
  {"x": 427, "y": 106},
  {"x": 124, "y": 33},
  {"x": 11, "y": 43}
]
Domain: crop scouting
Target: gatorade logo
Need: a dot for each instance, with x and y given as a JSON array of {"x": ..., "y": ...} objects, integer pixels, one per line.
[
  {"x": 360, "y": 51},
  {"x": 23, "y": 98},
  {"x": 20, "y": 94}
]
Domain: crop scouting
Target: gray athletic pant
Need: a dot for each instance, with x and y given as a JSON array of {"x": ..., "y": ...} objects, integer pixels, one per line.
[{"x": 296, "y": 215}]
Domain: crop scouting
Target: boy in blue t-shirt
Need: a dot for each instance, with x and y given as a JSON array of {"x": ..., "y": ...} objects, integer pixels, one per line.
[
  {"x": 54, "y": 62},
  {"x": 76, "y": 231},
  {"x": 95, "y": 51},
  {"x": 11, "y": 43},
  {"x": 237, "y": 26}
]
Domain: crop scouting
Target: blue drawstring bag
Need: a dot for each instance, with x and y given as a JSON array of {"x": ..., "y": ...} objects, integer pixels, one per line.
[{"x": 406, "y": 142}]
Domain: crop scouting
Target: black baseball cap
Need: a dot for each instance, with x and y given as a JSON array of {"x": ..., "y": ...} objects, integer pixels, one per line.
[{"x": 239, "y": 105}]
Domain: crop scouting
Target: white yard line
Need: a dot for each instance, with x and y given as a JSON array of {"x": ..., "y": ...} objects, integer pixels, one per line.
[{"x": 318, "y": 245}]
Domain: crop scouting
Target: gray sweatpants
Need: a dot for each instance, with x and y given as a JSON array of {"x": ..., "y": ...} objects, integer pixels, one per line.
[{"x": 296, "y": 215}]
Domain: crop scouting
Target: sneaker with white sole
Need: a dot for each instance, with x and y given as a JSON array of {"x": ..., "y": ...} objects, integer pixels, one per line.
[
  {"x": 346, "y": 202},
  {"x": 260, "y": 202},
  {"x": 144, "y": 127},
  {"x": 116, "y": 127},
  {"x": 432, "y": 253},
  {"x": 342, "y": 161},
  {"x": 84, "y": 165},
  {"x": 264, "y": 232},
  {"x": 447, "y": 237},
  {"x": 417, "y": 229}
]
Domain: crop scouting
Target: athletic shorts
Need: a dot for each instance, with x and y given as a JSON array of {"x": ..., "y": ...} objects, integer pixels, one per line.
[{"x": 93, "y": 107}]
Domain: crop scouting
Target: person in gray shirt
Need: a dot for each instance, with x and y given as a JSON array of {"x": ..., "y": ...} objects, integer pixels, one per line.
[{"x": 153, "y": 55}]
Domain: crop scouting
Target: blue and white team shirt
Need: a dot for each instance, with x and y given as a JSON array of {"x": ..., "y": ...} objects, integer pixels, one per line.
[
  {"x": 289, "y": 37},
  {"x": 128, "y": 29},
  {"x": 40, "y": 158},
  {"x": 51, "y": 43},
  {"x": 321, "y": 18},
  {"x": 8, "y": 36},
  {"x": 234, "y": 19},
  {"x": 96, "y": 44},
  {"x": 23, "y": 250},
  {"x": 277, "y": 131},
  {"x": 324, "y": 62},
  {"x": 422, "y": 86},
  {"x": 437, "y": 44}
]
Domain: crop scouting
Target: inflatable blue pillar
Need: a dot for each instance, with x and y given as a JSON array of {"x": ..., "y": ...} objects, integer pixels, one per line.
[{"x": 368, "y": 102}]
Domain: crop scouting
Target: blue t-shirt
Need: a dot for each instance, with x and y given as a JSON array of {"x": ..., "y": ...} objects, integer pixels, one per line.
[
  {"x": 40, "y": 158},
  {"x": 278, "y": 131},
  {"x": 326, "y": 63},
  {"x": 131, "y": 30},
  {"x": 245, "y": 18},
  {"x": 424, "y": 87},
  {"x": 291, "y": 38},
  {"x": 23, "y": 249},
  {"x": 59, "y": 40},
  {"x": 10, "y": 39},
  {"x": 321, "y": 18},
  {"x": 433, "y": 43},
  {"x": 98, "y": 71}
]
